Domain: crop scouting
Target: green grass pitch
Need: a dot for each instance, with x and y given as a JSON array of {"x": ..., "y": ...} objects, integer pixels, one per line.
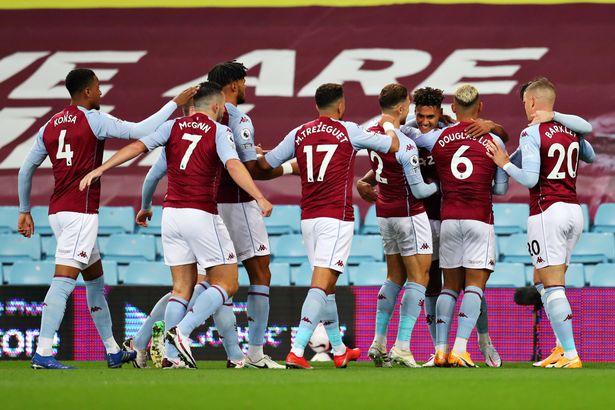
[{"x": 361, "y": 386}]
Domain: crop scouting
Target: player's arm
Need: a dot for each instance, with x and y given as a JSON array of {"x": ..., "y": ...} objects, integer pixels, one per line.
[
  {"x": 361, "y": 139},
  {"x": 282, "y": 153},
  {"x": 38, "y": 153},
  {"x": 573, "y": 122},
  {"x": 154, "y": 175},
  {"x": 586, "y": 151},
  {"x": 130, "y": 151},
  {"x": 480, "y": 127},
  {"x": 365, "y": 186},
  {"x": 500, "y": 186},
  {"x": 259, "y": 174},
  {"x": 107, "y": 126},
  {"x": 225, "y": 147},
  {"x": 409, "y": 160},
  {"x": 528, "y": 174}
]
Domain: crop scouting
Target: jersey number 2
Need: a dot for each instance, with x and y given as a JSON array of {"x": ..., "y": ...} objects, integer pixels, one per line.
[
  {"x": 64, "y": 151},
  {"x": 194, "y": 139},
  {"x": 309, "y": 156},
  {"x": 375, "y": 157}
]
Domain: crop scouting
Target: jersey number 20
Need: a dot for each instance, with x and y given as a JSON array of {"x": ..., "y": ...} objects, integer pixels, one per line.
[{"x": 571, "y": 164}]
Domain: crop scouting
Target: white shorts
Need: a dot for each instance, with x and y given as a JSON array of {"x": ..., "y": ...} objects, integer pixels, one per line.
[
  {"x": 191, "y": 235},
  {"x": 247, "y": 229},
  {"x": 407, "y": 235},
  {"x": 76, "y": 238},
  {"x": 327, "y": 242},
  {"x": 553, "y": 234},
  {"x": 435, "y": 238},
  {"x": 467, "y": 243}
]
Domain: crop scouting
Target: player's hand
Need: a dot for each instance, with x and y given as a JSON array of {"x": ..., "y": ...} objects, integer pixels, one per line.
[
  {"x": 497, "y": 154},
  {"x": 259, "y": 150},
  {"x": 143, "y": 216},
  {"x": 366, "y": 191},
  {"x": 386, "y": 118},
  {"x": 185, "y": 96},
  {"x": 265, "y": 206},
  {"x": 89, "y": 179},
  {"x": 542, "y": 116},
  {"x": 295, "y": 165},
  {"x": 446, "y": 119},
  {"x": 479, "y": 127},
  {"x": 25, "y": 224}
]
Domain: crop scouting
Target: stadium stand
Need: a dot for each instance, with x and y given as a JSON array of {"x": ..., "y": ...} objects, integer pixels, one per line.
[
  {"x": 357, "y": 219},
  {"x": 280, "y": 274},
  {"x": 290, "y": 249},
  {"x": 370, "y": 226},
  {"x": 368, "y": 274},
  {"x": 116, "y": 219},
  {"x": 8, "y": 219},
  {"x": 40, "y": 214},
  {"x": 605, "y": 218},
  {"x": 507, "y": 275},
  {"x": 586, "y": 218},
  {"x": 126, "y": 248},
  {"x": 513, "y": 249},
  {"x": 29, "y": 273},
  {"x": 575, "y": 276},
  {"x": 510, "y": 218},
  {"x": 147, "y": 273},
  {"x": 284, "y": 220},
  {"x": 603, "y": 275},
  {"x": 365, "y": 248},
  {"x": 48, "y": 247},
  {"x": 154, "y": 225},
  {"x": 14, "y": 247},
  {"x": 594, "y": 248}
]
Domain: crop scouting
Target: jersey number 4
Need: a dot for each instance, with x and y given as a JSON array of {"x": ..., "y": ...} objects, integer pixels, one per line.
[
  {"x": 571, "y": 163},
  {"x": 329, "y": 149},
  {"x": 64, "y": 151}
]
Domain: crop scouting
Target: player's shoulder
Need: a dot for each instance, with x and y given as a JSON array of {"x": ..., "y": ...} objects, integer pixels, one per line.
[
  {"x": 531, "y": 132},
  {"x": 235, "y": 114},
  {"x": 407, "y": 146}
]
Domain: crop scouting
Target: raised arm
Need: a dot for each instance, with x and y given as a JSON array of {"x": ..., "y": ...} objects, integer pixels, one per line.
[
  {"x": 365, "y": 186},
  {"x": 481, "y": 127},
  {"x": 573, "y": 122},
  {"x": 530, "y": 171},
  {"x": 361, "y": 139},
  {"x": 409, "y": 160},
  {"x": 500, "y": 186}
]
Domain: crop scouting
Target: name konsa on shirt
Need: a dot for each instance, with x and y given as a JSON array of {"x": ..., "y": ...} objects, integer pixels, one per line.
[
  {"x": 459, "y": 136},
  {"x": 192, "y": 124},
  {"x": 65, "y": 119},
  {"x": 322, "y": 127}
]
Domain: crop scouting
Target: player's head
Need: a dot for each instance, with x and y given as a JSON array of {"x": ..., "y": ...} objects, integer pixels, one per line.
[
  {"x": 395, "y": 101},
  {"x": 83, "y": 87},
  {"x": 188, "y": 108},
  {"x": 330, "y": 100},
  {"x": 537, "y": 94},
  {"x": 231, "y": 75},
  {"x": 209, "y": 99},
  {"x": 427, "y": 107},
  {"x": 466, "y": 102}
]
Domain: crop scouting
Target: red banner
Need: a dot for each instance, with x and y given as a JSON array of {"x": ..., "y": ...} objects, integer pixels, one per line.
[{"x": 143, "y": 57}]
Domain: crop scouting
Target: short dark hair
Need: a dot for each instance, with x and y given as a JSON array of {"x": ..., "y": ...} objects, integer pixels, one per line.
[
  {"x": 78, "y": 80},
  {"x": 428, "y": 97},
  {"x": 207, "y": 89},
  {"x": 327, "y": 94},
  {"x": 227, "y": 72},
  {"x": 391, "y": 95},
  {"x": 537, "y": 83}
]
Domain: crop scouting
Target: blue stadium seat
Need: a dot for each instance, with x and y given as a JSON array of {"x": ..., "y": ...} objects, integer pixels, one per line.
[
  {"x": 244, "y": 279},
  {"x": 285, "y": 219},
  {"x": 40, "y": 215},
  {"x": 370, "y": 225},
  {"x": 155, "y": 224},
  {"x": 603, "y": 275},
  {"x": 159, "y": 252},
  {"x": 605, "y": 218},
  {"x": 116, "y": 219},
  {"x": 575, "y": 276},
  {"x": 14, "y": 247},
  {"x": 586, "y": 218},
  {"x": 366, "y": 248},
  {"x": 280, "y": 274},
  {"x": 110, "y": 270},
  {"x": 29, "y": 273},
  {"x": 507, "y": 275},
  {"x": 273, "y": 243},
  {"x": 148, "y": 273},
  {"x": 8, "y": 219},
  {"x": 510, "y": 218},
  {"x": 594, "y": 248},
  {"x": 126, "y": 248},
  {"x": 529, "y": 274},
  {"x": 357, "y": 219},
  {"x": 369, "y": 274},
  {"x": 290, "y": 249},
  {"x": 48, "y": 247},
  {"x": 513, "y": 248},
  {"x": 302, "y": 276}
]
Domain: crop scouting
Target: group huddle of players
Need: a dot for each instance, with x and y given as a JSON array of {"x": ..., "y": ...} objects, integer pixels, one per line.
[{"x": 432, "y": 180}]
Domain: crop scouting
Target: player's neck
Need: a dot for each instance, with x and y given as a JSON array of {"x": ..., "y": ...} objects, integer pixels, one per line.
[
  {"x": 465, "y": 118},
  {"x": 230, "y": 98},
  {"x": 333, "y": 116},
  {"x": 81, "y": 103}
]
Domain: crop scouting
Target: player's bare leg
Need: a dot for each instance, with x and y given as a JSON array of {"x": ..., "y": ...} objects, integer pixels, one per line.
[
  {"x": 475, "y": 281},
  {"x": 258, "y": 312},
  {"x": 62, "y": 286},
  {"x": 445, "y": 308},
  {"x": 417, "y": 268},
  {"x": 387, "y": 297},
  {"x": 99, "y": 310},
  {"x": 560, "y": 314}
]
